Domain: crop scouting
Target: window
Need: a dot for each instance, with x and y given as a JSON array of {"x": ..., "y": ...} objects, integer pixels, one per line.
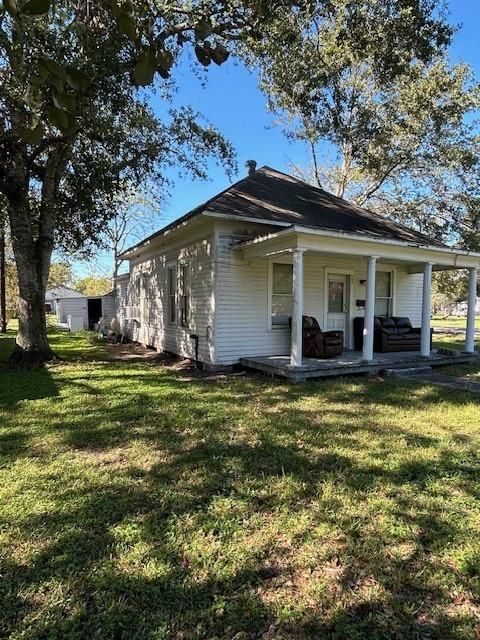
[
  {"x": 143, "y": 297},
  {"x": 383, "y": 293},
  {"x": 172, "y": 294},
  {"x": 184, "y": 295},
  {"x": 282, "y": 281},
  {"x": 336, "y": 293}
]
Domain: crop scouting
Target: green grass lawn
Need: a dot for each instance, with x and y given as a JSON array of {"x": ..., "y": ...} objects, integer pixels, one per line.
[
  {"x": 140, "y": 503},
  {"x": 453, "y": 321}
]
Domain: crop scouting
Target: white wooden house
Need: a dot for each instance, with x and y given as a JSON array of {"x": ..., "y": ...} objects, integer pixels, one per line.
[{"x": 226, "y": 277}]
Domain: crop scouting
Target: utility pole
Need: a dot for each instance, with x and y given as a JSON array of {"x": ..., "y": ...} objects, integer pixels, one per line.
[{"x": 3, "y": 277}]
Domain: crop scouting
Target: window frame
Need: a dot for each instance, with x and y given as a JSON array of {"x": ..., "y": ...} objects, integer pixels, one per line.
[
  {"x": 388, "y": 298},
  {"x": 271, "y": 325},
  {"x": 171, "y": 297},
  {"x": 184, "y": 293}
]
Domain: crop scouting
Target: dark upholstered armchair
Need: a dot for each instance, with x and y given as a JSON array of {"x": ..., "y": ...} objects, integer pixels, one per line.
[{"x": 318, "y": 343}]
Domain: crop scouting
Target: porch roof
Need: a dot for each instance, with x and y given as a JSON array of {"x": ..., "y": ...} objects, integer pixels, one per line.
[{"x": 319, "y": 240}]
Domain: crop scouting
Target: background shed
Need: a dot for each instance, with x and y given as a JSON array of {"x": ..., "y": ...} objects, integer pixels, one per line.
[
  {"x": 84, "y": 312},
  {"x": 52, "y": 296}
]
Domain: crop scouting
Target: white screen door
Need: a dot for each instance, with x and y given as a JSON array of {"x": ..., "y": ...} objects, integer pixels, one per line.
[{"x": 337, "y": 301}]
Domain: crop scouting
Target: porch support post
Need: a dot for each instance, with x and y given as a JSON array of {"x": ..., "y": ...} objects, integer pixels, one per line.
[
  {"x": 472, "y": 299},
  {"x": 297, "y": 309},
  {"x": 426, "y": 310},
  {"x": 368, "y": 324}
]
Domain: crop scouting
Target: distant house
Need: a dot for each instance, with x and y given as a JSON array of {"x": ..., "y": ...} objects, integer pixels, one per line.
[
  {"x": 224, "y": 281},
  {"x": 461, "y": 308},
  {"x": 53, "y": 295}
]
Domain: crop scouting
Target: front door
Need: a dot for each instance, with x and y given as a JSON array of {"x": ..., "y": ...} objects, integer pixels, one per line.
[{"x": 337, "y": 304}]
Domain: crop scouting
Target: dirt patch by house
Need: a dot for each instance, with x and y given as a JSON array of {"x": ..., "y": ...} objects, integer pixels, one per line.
[{"x": 134, "y": 352}]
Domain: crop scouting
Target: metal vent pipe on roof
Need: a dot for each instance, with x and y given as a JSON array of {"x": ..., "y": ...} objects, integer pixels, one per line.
[{"x": 251, "y": 166}]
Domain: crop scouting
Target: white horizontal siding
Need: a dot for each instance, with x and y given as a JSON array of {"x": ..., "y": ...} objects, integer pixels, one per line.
[
  {"x": 229, "y": 299},
  {"x": 145, "y": 304},
  {"x": 409, "y": 296},
  {"x": 76, "y": 307},
  {"x": 108, "y": 308},
  {"x": 121, "y": 289}
]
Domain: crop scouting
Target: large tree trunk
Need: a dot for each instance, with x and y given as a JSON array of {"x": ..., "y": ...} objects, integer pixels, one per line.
[
  {"x": 32, "y": 240},
  {"x": 33, "y": 250},
  {"x": 31, "y": 346}
]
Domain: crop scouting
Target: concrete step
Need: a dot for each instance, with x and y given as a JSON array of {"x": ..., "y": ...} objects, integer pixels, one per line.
[{"x": 407, "y": 371}]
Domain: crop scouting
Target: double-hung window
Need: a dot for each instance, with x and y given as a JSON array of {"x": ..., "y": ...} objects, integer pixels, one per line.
[
  {"x": 184, "y": 294},
  {"x": 172, "y": 294},
  {"x": 383, "y": 293},
  {"x": 282, "y": 280}
]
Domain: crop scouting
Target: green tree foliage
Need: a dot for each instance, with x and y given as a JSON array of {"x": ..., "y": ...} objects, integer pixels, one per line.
[
  {"x": 404, "y": 144},
  {"x": 60, "y": 275},
  {"x": 75, "y": 126},
  {"x": 449, "y": 288},
  {"x": 93, "y": 285}
]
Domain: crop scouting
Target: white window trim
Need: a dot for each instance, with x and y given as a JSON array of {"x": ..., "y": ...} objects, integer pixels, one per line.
[
  {"x": 392, "y": 297},
  {"x": 171, "y": 265},
  {"x": 182, "y": 286},
  {"x": 278, "y": 260}
]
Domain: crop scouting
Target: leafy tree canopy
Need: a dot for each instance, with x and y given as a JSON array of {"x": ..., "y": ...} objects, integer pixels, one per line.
[
  {"x": 75, "y": 128},
  {"x": 93, "y": 285},
  {"x": 405, "y": 144},
  {"x": 60, "y": 275}
]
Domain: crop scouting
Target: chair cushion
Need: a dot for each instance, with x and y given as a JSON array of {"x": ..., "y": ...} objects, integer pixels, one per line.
[
  {"x": 388, "y": 325},
  {"x": 404, "y": 337},
  {"x": 309, "y": 322},
  {"x": 403, "y": 325}
]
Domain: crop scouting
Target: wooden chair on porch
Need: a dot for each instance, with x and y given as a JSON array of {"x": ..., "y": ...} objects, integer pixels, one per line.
[{"x": 318, "y": 343}]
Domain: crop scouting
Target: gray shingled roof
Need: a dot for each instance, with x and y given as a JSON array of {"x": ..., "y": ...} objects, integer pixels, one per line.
[
  {"x": 269, "y": 195},
  {"x": 272, "y": 196},
  {"x": 62, "y": 292}
]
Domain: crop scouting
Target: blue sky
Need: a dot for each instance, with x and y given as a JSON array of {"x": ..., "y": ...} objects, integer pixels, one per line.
[{"x": 231, "y": 101}]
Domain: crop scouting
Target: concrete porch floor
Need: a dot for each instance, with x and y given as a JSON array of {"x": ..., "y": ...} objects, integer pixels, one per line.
[{"x": 350, "y": 362}]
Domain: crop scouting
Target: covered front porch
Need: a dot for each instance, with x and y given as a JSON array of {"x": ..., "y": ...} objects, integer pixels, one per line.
[
  {"x": 353, "y": 363},
  {"x": 294, "y": 243}
]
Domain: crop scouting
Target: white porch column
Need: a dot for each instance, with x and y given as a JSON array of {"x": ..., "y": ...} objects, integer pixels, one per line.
[
  {"x": 426, "y": 310},
  {"x": 297, "y": 308},
  {"x": 472, "y": 298},
  {"x": 368, "y": 324}
]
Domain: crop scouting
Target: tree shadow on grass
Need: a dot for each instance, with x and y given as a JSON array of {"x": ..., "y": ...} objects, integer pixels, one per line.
[
  {"x": 145, "y": 551},
  {"x": 33, "y": 384},
  {"x": 109, "y": 599},
  {"x": 18, "y": 387}
]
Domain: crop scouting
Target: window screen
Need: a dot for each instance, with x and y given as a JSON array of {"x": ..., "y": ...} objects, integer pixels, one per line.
[{"x": 282, "y": 281}]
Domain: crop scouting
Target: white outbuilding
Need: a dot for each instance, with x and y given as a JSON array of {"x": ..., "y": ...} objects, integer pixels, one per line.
[
  {"x": 84, "y": 312},
  {"x": 56, "y": 293}
]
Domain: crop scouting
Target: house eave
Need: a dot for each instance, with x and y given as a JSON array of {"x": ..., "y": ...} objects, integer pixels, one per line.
[
  {"x": 146, "y": 244},
  {"x": 299, "y": 236},
  {"x": 234, "y": 218}
]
